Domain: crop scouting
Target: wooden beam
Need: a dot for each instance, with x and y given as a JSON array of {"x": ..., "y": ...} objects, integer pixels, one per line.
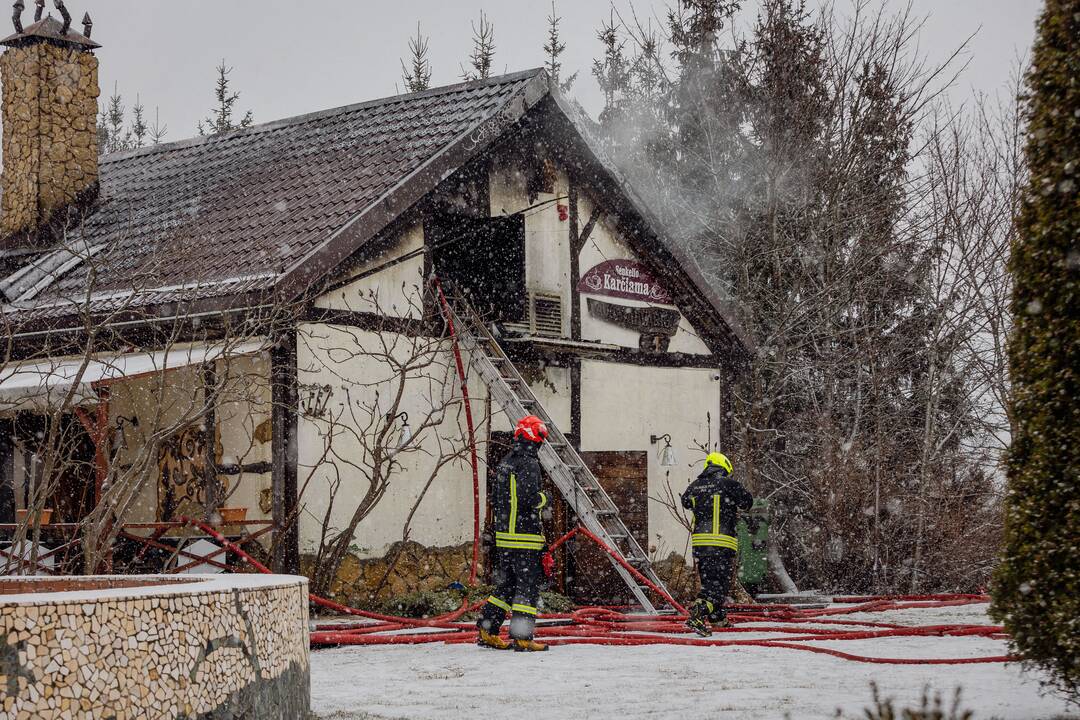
[
  {"x": 586, "y": 231},
  {"x": 211, "y": 497},
  {"x": 285, "y": 453},
  {"x": 534, "y": 348},
  {"x": 575, "y": 261},
  {"x": 374, "y": 322},
  {"x": 578, "y": 238},
  {"x": 7, "y": 471},
  {"x": 97, "y": 427},
  {"x": 575, "y": 401}
]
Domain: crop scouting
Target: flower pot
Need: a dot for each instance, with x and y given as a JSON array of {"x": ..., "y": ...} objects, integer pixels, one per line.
[
  {"x": 46, "y": 516},
  {"x": 231, "y": 515}
]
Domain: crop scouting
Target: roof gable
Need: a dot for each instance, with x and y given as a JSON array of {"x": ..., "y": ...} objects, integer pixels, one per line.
[{"x": 280, "y": 205}]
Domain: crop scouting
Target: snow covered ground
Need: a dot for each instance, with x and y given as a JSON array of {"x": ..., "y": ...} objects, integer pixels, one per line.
[{"x": 619, "y": 683}]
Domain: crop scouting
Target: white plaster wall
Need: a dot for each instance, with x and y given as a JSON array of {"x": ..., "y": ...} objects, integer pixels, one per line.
[
  {"x": 161, "y": 400},
  {"x": 394, "y": 290},
  {"x": 547, "y": 239},
  {"x": 243, "y": 404},
  {"x": 604, "y": 244},
  {"x": 343, "y": 358},
  {"x": 553, "y": 392},
  {"x": 622, "y": 405}
]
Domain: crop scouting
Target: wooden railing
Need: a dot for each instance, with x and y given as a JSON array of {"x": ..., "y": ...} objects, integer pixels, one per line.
[{"x": 162, "y": 550}]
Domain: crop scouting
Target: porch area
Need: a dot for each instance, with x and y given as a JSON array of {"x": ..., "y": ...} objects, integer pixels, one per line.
[{"x": 110, "y": 463}]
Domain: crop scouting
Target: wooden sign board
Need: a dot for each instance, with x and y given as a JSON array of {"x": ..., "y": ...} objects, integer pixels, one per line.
[{"x": 626, "y": 279}]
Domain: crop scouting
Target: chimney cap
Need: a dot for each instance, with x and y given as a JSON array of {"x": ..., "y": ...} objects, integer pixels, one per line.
[{"x": 50, "y": 30}]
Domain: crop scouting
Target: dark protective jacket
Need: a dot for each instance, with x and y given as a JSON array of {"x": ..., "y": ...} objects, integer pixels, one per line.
[
  {"x": 715, "y": 499},
  {"x": 516, "y": 499}
]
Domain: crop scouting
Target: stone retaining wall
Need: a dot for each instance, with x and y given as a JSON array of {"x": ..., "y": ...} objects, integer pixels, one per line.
[{"x": 225, "y": 646}]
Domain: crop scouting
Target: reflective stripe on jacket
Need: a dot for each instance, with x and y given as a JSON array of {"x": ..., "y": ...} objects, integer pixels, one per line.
[
  {"x": 516, "y": 499},
  {"x": 715, "y": 499}
]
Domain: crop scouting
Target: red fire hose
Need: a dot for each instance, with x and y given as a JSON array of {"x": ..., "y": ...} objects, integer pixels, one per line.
[
  {"x": 606, "y": 626},
  {"x": 609, "y": 626},
  {"x": 449, "y": 316}
]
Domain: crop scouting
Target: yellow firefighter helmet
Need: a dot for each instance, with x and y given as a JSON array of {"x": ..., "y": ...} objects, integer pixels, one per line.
[{"x": 718, "y": 459}]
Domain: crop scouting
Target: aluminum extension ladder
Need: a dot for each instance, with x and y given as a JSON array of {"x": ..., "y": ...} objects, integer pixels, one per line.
[{"x": 579, "y": 487}]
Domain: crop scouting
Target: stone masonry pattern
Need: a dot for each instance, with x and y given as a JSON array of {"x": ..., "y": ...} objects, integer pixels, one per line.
[
  {"x": 50, "y": 135},
  {"x": 229, "y": 653}
]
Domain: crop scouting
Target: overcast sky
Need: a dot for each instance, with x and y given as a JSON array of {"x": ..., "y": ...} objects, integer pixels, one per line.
[{"x": 293, "y": 57}]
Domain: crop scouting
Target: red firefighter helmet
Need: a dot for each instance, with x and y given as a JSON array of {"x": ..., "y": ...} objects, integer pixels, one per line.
[{"x": 531, "y": 428}]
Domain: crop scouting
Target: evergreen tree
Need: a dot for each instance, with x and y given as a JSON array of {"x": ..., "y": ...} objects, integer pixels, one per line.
[
  {"x": 139, "y": 128},
  {"x": 1037, "y": 589},
  {"x": 112, "y": 137},
  {"x": 221, "y": 117},
  {"x": 695, "y": 27},
  {"x": 553, "y": 49},
  {"x": 158, "y": 130},
  {"x": 483, "y": 52},
  {"x": 114, "y": 132},
  {"x": 612, "y": 73},
  {"x": 708, "y": 103},
  {"x": 417, "y": 75}
]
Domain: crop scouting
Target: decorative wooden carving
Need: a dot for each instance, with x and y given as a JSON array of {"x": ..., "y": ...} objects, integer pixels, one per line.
[{"x": 181, "y": 483}]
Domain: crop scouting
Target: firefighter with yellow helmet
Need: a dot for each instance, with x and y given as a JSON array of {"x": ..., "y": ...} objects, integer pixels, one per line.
[{"x": 715, "y": 499}]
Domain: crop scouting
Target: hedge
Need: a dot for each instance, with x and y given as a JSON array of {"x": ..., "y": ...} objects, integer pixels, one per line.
[{"x": 1037, "y": 584}]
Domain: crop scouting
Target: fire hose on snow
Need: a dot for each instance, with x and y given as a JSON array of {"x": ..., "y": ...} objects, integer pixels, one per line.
[
  {"x": 607, "y": 626},
  {"x": 610, "y": 626}
]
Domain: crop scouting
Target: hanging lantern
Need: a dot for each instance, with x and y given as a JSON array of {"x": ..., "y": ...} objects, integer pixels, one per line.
[
  {"x": 667, "y": 453},
  {"x": 406, "y": 431}
]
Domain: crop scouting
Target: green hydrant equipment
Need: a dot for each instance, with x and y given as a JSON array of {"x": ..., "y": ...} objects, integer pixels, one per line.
[{"x": 753, "y": 532}]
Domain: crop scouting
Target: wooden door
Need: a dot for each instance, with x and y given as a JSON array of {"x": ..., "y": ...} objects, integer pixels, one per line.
[{"x": 624, "y": 475}]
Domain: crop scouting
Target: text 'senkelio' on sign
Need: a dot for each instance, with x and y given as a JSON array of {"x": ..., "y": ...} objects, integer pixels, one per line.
[{"x": 624, "y": 279}]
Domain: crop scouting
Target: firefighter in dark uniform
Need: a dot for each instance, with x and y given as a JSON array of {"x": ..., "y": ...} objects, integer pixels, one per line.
[
  {"x": 715, "y": 499},
  {"x": 517, "y": 502}
]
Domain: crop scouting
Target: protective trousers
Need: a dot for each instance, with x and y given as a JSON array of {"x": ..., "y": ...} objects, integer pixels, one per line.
[
  {"x": 715, "y": 568},
  {"x": 517, "y": 576}
]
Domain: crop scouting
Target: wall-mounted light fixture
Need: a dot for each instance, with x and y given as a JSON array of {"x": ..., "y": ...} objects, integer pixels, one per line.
[
  {"x": 667, "y": 453},
  {"x": 406, "y": 430}
]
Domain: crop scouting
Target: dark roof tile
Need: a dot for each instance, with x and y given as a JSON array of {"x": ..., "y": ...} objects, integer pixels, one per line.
[{"x": 256, "y": 201}]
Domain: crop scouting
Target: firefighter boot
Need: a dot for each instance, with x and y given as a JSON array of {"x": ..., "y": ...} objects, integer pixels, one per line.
[
  {"x": 699, "y": 618},
  {"x": 486, "y": 639},
  {"x": 529, "y": 646}
]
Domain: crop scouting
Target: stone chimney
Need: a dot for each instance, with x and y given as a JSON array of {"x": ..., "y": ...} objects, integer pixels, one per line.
[{"x": 50, "y": 92}]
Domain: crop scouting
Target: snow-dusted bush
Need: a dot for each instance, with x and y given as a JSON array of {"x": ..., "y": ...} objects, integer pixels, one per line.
[{"x": 1037, "y": 593}]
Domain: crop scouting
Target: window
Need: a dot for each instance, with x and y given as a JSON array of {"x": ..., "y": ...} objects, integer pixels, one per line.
[{"x": 484, "y": 260}]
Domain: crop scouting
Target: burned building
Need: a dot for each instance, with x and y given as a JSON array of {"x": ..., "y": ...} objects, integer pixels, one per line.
[{"x": 250, "y": 320}]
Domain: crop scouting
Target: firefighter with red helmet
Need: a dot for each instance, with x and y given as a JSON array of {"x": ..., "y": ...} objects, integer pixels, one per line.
[
  {"x": 517, "y": 501},
  {"x": 715, "y": 498}
]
